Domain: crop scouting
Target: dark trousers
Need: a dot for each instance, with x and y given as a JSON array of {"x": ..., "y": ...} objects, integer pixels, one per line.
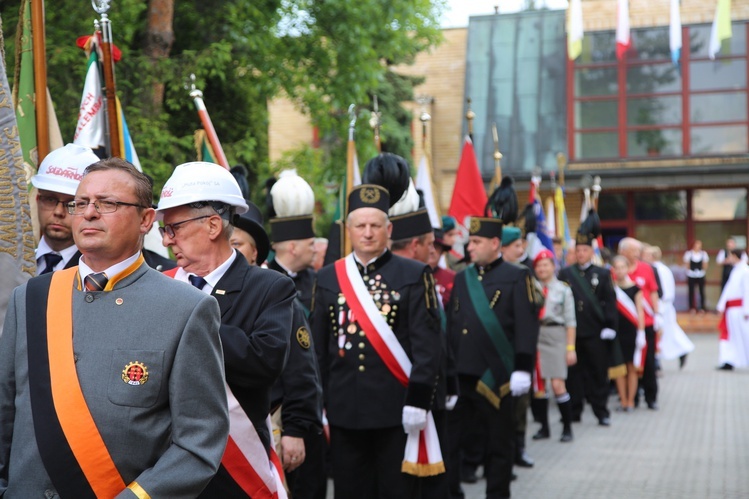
[
  {"x": 649, "y": 380},
  {"x": 696, "y": 282},
  {"x": 367, "y": 464},
  {"x": 310, "y": 481},
  {"x": 437, "y": 486},
  {"x": 497, "y": 427},
  {"x": 589, "y": 379}
]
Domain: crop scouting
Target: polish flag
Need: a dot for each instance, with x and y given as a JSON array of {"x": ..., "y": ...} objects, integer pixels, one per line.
[{"x": 623, "y": 41}]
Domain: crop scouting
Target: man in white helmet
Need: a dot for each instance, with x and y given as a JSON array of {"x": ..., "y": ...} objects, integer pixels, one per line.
[
  {"x": 197, "y": 205},
  {"x": 57, "y": 180}
]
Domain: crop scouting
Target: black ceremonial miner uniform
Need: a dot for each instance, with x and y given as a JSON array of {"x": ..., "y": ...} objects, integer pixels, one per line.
[
  {"x": 299, "y": 392},
  {"x": 364, "y": 401},
  {"x": 589, "y": 377},
  {"x": 511, "y": 294},
  {"x": 304, "y": 281}
]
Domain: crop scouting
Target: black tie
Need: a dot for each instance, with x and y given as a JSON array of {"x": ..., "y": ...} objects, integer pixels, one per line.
[
  {"x": 96, "y": 282},
  {"x": 197, "y": 281},
  {"x": 50, "y": 261}
]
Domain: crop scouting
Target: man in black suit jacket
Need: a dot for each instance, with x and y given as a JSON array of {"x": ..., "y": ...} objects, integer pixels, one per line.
[{"x": 255, "y": 303}]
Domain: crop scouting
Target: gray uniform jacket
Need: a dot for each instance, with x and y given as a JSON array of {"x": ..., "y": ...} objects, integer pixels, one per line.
[
  {"x": 559, "y": 305},
  {"x": 167, "y": 434}
]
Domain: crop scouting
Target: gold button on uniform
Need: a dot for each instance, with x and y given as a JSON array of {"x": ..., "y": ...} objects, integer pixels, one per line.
[
  {"x": 361, "y": 369},
  {"x": 361, "y": 345},
  {"x": 465, "y": 331},
  {"x": 361, "y": 356}
]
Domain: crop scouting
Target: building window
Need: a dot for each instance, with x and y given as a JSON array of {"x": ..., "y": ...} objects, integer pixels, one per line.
[
  {"x": 718, "y": 204},
  {"x": 666, "y": 206},
  {"x": 645, "y": 106}
]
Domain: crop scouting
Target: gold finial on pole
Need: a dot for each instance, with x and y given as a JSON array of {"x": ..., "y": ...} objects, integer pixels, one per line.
[
  {"x": 470, "y": 115},
  {"x": 497, "y": 157},
  {"x": 562, "y": 164},
  {"x": 375, "y": 123}
]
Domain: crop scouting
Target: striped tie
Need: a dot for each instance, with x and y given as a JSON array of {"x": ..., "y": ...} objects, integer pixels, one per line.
[{"x": 96, "y": 282}]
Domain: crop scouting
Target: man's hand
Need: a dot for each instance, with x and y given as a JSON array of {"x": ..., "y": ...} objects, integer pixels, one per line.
[
  {"x": 608, "y": 334},
  {"x": 571, "y": 358},
  {"x": 520, "y": 383},
  {"x": 414, "y": 418},
  {"x": 292, "y": 452}
]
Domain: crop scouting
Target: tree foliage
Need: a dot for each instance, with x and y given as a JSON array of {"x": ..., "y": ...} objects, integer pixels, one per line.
[{"x": 323, "y": 54}]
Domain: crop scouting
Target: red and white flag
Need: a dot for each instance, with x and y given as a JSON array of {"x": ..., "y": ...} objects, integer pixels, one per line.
[{"x": 623, "y": 40}]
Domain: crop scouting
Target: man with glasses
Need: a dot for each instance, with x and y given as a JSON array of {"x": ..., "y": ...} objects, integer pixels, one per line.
[
  {"x": 197, "y": 205},
  {"x": 111, "y": 374},
  {"x": 57, "y": 180}
]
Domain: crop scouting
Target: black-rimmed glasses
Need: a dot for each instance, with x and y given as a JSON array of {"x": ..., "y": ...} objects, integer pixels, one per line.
[
  {"x": 50, "y": 202},
  {"x": 102, "y": 206},
  {"x": 169, "y": 229}
]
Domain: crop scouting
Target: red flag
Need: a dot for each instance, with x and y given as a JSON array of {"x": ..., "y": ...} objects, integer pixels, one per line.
[{"x": 469, "y": 196}]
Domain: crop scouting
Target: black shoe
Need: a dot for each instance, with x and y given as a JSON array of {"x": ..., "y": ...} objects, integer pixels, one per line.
[
  {"x": 541, "y": 434},
  {"x": 566, "y": 436},
  {"x": 605, "y": 421},
  {"x": 682, "y": 361},
  {"x": 524, "y": 460},
  {"x": 653, "y": 406},
  {"x": 513, "y": 477},
  {"x": 725, "y": 367}
]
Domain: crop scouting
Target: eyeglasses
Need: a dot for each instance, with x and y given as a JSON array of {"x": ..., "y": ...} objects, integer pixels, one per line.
[
  {"x": 50, "y": 202},
  {"x": 102, "y": 206},
  {"x": 171, "y": 229}
]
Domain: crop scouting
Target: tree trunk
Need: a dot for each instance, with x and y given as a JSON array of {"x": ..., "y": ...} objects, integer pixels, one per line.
[{"x": 158, "y": 43}]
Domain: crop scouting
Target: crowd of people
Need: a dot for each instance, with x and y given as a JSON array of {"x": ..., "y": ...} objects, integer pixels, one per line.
[{"x": 242, "y": 369}]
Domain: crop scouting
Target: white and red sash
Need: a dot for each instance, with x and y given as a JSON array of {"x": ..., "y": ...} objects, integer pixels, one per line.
[
  {"x": 423, "y": 456},
  {"x": 628, "y": 310},
  {"x": 245, "y": 457}
]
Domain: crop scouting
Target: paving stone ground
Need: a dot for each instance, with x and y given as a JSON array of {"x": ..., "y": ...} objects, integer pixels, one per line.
[{"x": 695, "y": 446}]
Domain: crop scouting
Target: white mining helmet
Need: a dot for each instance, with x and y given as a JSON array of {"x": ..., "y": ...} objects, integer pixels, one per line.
[
  {"x": 200, "y": 181},
  {"x": 62, "y": 169}
]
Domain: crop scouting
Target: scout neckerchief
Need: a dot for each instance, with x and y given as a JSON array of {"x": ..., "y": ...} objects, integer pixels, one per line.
[
  {"x": 488, "y": 385},
  {"x": 71, "y": 448},
  {"x": 423, "y": 456},
  {"x": 584, "y": 286},
  {"x": 245, "y": 458},
  {"x": 628, "y": 310}
]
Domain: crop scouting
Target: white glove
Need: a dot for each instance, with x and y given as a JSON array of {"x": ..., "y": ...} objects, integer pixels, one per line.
[
  {"x": 520, "y": 383},
  {"x": 450, "y": 402},
  {"x": 657, "y": 322},
  {"x": 414, "y": 418},
  {"x": 640, "y": 340},
  {"x": 608, "y": 334}
]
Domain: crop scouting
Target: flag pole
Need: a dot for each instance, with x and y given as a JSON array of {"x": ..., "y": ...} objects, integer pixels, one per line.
[
  {"x": 40, "y": 79},
  {"x": 197, "y": 97},
  {"x": 497, "y": 157},
  {"x": 596, "y": 191},
  {"x": 350, "y": 155},
  {"x": 470, "y": 115},
  {"x": 561, "y": 163},
  {"x": 113, "y": 130},
  {"x": 375, "y": 123},
  {"x": 425, "y": 118}
]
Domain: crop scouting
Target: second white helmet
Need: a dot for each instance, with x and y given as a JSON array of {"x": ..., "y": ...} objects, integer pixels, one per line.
[{"x": 200, "y": 181}]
